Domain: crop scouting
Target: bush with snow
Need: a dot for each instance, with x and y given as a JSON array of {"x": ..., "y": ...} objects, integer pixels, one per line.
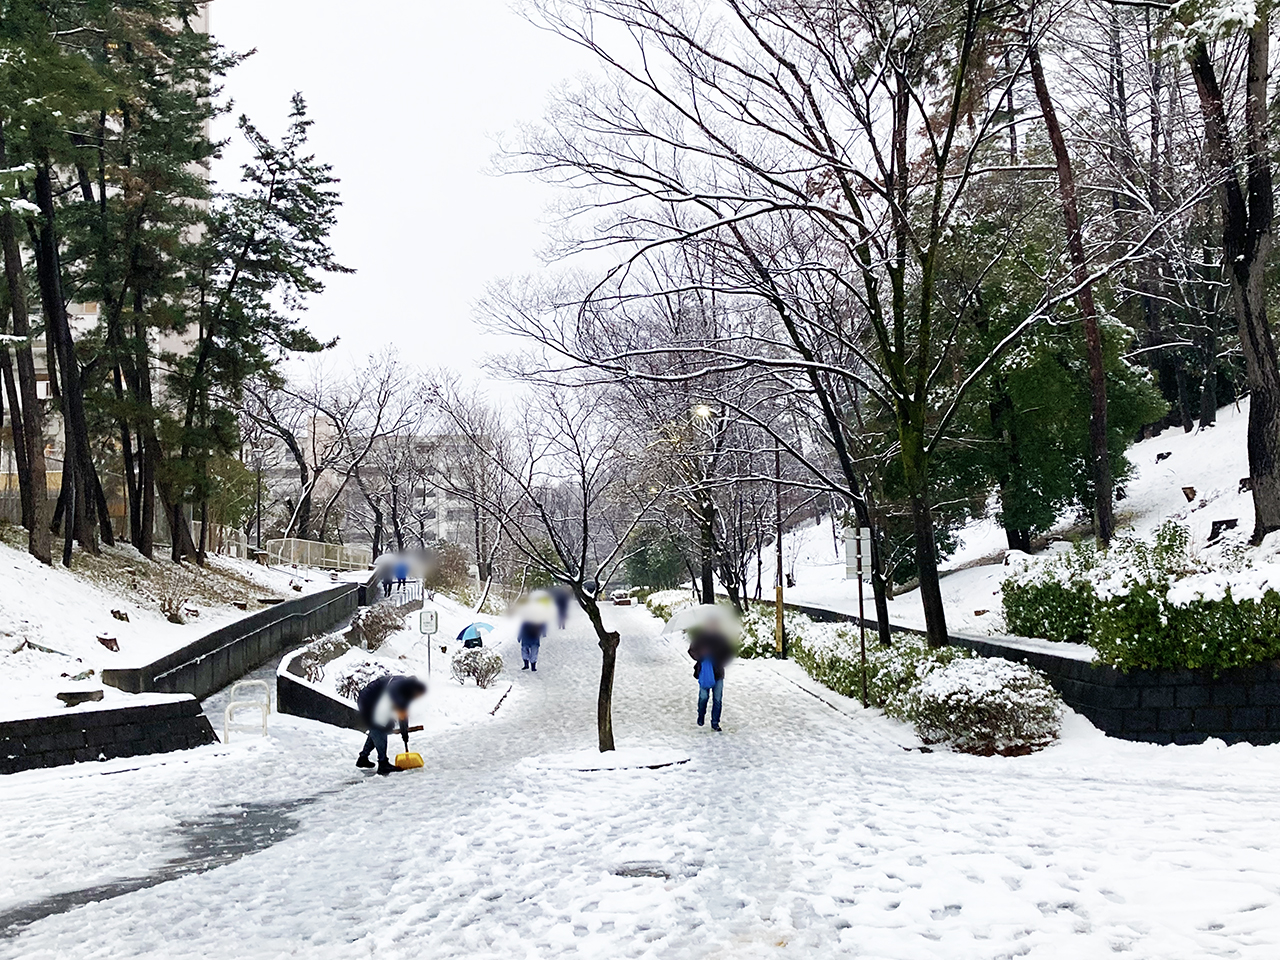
[
  {"x": 984, "y": 706},
  {"x": 319, "y": 652},
  {"x": 1151, "y": 605},
  {"x": 664, "y": 604},
  {"x": 354, "y": 675},
  {"x": 948, "y": 694},
  {"x": 477, "y": 663},
  {"x": 371, "y": 627}
]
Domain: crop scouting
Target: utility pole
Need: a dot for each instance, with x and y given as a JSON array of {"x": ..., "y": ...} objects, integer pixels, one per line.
[{"x": 780, "y": 632}]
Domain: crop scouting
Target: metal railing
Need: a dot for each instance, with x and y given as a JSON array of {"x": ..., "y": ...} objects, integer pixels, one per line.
[{"x": 313, "y": 553}]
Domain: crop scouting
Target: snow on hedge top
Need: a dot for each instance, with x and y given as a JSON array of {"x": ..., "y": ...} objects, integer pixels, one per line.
[{"x": 1205, "y": 574}]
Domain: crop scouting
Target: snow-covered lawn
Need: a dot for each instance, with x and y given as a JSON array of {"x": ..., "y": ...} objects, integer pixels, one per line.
[{"x": 809, "y": 828}]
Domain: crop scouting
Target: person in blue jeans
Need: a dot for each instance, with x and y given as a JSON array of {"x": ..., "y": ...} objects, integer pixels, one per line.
[
  {"x": 531, "y": 635},
  {"x": 710, "y": 650},
  {"x": 382, "y": 703}
]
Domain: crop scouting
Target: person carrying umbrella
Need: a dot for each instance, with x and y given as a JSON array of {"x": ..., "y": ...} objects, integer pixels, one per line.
[
  {"x": 473, "y": 635},
  {"x": 382, "y": 703},
  {"x": 709, "y": 628}
]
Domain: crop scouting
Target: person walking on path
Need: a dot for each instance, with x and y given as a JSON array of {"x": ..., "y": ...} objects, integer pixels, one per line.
[
  {"x": 382, "y": 703},
  {"x": 531, "y": 634},
  {"x": 710, "y": 650},
  {"x": 562, "y": 596}
]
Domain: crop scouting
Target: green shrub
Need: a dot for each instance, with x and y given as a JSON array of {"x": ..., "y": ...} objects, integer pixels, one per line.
[
  {"x": 663, "y": 604},
  {"x": 1150, "y": 605},
  {"x": 1145, "y": 628},
  {"x": 985, "y": 706},
  {"x": 949, "y": 695},
  {"x": 1055, "y": 600}
]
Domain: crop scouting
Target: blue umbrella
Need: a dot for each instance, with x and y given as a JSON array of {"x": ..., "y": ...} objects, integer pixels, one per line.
[{"x": 475, "y": 631}]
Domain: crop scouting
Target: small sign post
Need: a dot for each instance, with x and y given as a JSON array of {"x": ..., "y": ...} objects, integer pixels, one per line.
[
  {"x": 863, "y": 535},
  {"x": 428, "y": 624}
]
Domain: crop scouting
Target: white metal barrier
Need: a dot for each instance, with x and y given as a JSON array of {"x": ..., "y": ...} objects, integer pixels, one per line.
[
  {"x": 264, "y": 707},
  {"x": 313, "y": 553}
]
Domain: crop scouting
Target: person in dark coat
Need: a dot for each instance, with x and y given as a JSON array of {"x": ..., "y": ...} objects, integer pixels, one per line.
[
  {"x": 382, "y": 703},
  {"x": 562, "y": 595},
  {"x": 531, "y": 635},
  {"x": 710, "y": 646}
]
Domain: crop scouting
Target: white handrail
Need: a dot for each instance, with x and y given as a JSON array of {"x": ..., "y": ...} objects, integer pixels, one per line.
[{"x": 249, "y": 687}]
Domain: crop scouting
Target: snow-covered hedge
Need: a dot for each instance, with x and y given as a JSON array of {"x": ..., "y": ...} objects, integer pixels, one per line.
[
  {"x": 478, "y": 664},
  {"x": 372, "y": 626},
  {"x": 985, "y": 706},
  {"x": 948, "y": 694},
  {"x": 1151, "y": 605},
  {"x": 663, "y": 604},
  {"x": 354, "y": 675}
]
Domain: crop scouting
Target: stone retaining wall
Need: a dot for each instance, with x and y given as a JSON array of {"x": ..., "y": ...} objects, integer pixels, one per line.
[{"x": 102, "y": 734}]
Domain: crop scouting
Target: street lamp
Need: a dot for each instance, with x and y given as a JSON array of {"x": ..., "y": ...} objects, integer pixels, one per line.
[{"x": 703, "y": 412}]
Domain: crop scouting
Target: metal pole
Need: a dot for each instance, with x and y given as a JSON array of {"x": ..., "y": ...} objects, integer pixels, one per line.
[
  {"x": 780, "y": 632},
  {"x": 259, "y": 497},
  {"x": 862, "y": 618}
]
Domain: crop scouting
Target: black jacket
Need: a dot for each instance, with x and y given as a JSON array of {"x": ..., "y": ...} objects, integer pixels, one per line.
[
  {"x": 402, "y": 691},
  {"x": 710, "y": 645}
]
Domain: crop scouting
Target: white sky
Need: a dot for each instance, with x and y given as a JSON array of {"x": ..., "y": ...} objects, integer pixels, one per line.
[{"x": 407, "y": 97}]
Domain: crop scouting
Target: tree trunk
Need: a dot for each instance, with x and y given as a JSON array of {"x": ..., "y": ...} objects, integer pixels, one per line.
[
  {"x": 1100, "y": 456},
  {"x": 78, "y": 458},
  {"x": 608, "y": 640},
  {"x": 32, "y": 417},
  {"x": 25, "y": 498},
  {"x": 1247, "y": 216},
  {"x": 707, "y": 553}
]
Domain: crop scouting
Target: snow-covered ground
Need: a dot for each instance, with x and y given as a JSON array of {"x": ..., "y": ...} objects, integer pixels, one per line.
[
  {"x": 1211, "y": 461},
  {"x": 805, "y": 830},
  {"x": 51, "y": 617}
]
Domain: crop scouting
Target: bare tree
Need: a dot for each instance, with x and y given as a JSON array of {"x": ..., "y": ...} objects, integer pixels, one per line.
[{"x": 567, "y": 502}]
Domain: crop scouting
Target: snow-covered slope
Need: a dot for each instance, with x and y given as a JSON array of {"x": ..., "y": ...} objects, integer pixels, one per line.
[
  {"x": 51, "y": 617},
  {"x": 1211, "y": 462}
]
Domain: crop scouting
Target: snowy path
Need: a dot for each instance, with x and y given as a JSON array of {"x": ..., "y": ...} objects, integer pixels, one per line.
[{"x": 799, "y": 832}]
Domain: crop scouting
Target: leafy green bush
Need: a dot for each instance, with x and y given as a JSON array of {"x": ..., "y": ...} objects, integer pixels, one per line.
[
  {"x": 1150, "y": 605},
  {"x": 1054, "y": 601},
  {"x": 948, "y": 694},
  {"x": 663, "y": 604},
  {"x": 984, "y": 706}
]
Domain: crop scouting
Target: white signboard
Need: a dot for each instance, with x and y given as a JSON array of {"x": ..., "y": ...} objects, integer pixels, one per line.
[
  {"x": 855, "y": 537},
  {"x": 428, "y": 622}
]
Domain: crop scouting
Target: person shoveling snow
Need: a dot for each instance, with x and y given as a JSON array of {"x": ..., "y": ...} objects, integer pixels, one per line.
[
  {"x": 382, "y": 703},
  {"x": 711, "y": 630}
]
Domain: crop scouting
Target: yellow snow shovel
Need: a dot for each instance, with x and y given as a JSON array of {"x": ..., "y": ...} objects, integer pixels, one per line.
[{"x": 410, "y": 761}]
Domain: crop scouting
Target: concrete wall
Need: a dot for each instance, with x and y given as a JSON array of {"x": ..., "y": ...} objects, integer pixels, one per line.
[
  {"x": 102, "y": 734},
  {"x": 228, "y": 653},
  {"x": 298, "y": 698}
]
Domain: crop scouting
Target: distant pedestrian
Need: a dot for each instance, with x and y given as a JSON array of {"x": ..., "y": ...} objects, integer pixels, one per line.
[
  {"x": 561, "y": 595},
  {"x": 710, "y": 650},
  {"x": 382, "y": 703},
  {"x": 531, "y": 634},
  {"x": 402, "y": 573},
  {"x": 384, "y": 571}
]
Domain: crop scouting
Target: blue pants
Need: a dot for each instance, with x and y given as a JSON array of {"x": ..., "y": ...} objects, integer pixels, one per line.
[
  {"x": 529, "y": 650},
  {"x": 377, "y": 738},
  {"x": 703, "y": 695}
]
